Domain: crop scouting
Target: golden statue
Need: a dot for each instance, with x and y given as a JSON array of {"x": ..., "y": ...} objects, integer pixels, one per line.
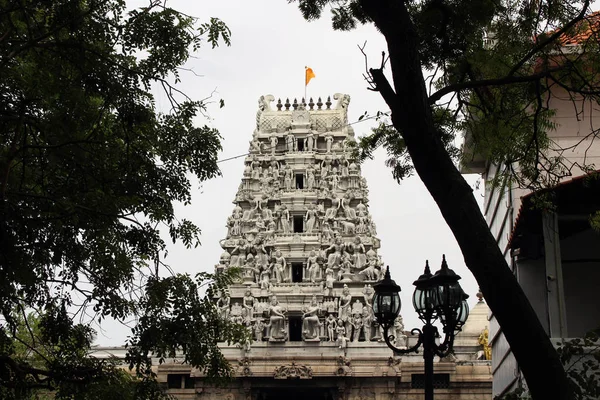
[{"x": 484, "y": 341}]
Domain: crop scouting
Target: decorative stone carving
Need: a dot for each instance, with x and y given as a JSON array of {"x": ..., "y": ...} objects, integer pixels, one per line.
[
  {"x": 313, "y": 268},
  {"x": 273, "y": 142},
  {"x": 331, "y": 323},
  {"x": 343, "y": 366},
  {"x": 399, "y": 336},
  {"x": 342, "y": 340},
  {"x": 310, "y": 322},
  {"x": 244, "y": 367},
  {"x": 276, "y": 324},
  {"x": 293, "y": 371}
]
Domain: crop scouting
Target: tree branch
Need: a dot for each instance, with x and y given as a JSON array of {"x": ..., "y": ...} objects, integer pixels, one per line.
[
  {"x": 506, "y": 80},
  {"x": 540, "y": 45}
]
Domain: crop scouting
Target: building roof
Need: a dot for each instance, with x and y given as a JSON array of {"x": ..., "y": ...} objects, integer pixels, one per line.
[
  {"x": 582, "y": 31},
  {"x": 579, "y": 195}
]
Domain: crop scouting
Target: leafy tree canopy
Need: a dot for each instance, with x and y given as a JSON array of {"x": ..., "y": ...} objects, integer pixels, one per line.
[{"x": 89, "y": 173}]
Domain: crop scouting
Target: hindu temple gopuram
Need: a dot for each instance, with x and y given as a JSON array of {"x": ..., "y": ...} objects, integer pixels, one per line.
[{"x": 301, "y": 232}]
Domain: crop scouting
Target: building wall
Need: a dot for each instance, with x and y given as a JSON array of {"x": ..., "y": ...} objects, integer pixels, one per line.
[{"x": 572, "y": 138}]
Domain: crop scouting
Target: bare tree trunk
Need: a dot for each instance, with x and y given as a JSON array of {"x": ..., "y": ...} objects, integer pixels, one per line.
[{"x": 411, "y": 116}]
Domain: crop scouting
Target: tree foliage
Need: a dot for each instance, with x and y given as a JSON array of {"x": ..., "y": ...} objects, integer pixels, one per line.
[
  {"x": 494, "y": 70},
  {"x": 90, "y": 171}
]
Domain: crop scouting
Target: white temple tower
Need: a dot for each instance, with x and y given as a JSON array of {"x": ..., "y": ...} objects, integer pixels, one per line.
[{"x": 302, "y": 234}]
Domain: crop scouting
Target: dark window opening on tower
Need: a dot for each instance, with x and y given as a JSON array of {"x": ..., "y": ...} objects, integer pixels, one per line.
[
  {"x": 296, "y": 272},
  {"x": 298, "y": 224},
  {"x": 179, "y": 381},
  {"x": 299, "y": 181},
  {"x": 295, "y": 329},
  {"x": 300, "y": 145}
]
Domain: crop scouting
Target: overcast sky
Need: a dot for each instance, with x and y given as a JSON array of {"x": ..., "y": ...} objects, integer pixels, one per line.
[{"x": 271, "y": 44}]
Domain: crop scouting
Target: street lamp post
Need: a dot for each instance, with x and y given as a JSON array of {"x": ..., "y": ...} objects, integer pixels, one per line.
[{"x": 436, "y": 297}]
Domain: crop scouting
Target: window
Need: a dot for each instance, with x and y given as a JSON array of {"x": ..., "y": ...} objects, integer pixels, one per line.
[
  {"x": 174, "y": 381},
  {"x": 298, "y": 224},
  {"x": 299, "y": 181},
  {"x": 179, "y": 381},
  {"x": 295, "y": 329},
  {"x": 440, "y": 381},
  {"x": 300, "y": 144},
  {"x": 296, "y": 272}
]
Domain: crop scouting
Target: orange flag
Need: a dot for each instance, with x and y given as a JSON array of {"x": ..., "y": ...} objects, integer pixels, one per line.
[{"x": 309, "y": 75}]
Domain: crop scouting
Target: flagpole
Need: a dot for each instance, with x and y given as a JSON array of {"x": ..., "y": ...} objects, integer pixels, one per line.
[{"x": 305, "y": 85}]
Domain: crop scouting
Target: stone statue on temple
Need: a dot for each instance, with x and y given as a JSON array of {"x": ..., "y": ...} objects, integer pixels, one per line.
[
  {"x": 310, "y": 218},
  {"x": 311, "y": 140},
  {"x": 310, "y": 179},
  {"x": 328, "y": 142},
  {"x": 340, "y": 331},
  {"x": 259, "y": 329},
  {"x": 277, "y": 331},
  {"x": 399, "y": 336},
  {"x": 310, "y": 321},
  {"x": 345, "y": 310},
  {"x": 280, "y": 267},
  {"x": 273, "y": 142},
  {"x": 313, "y": 268},
  {"x": 331, "y": 325},
  {"x": 290, "y": 142},
  {"x": 357, "y": 325}
]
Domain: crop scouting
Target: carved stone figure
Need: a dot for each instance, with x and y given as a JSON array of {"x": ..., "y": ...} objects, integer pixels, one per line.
[
  {"x": 310, "y": 218},
  {"x": 344, "y": 313},
  {"x": 313, "y": 267},
  {"x": 329, "y": 280},
  {"x": 361, "y": 210},
  {"x": 340, "y": 330},
  {"x": 334, "y": 179},
  {"x": 344, "y": 166},
  {"x": 284, "y": 218},
  {"x": 223, "y": 304},
  {"x": 310, "y": 179},
  {"x": 326, "y": 233},
  {"x": 357, "y": 325},
  {"x": 349, "y": 227},
  {"x": 259, "y": 330},
  {"x": 288, "y": 177},
  {"x": 349, "y": 212},
  {"x": 273, "y": 141},
  {"x": 399, "y": 336},
  {"x": 310, "y": 321},
  {"x": 238, "y": 254},
  {"x": 367, "y": 320},
  {"x": 372, "y": 271},
  {"x": 255, "y": 146},
  {"x": 280, "y": 268},
  {"x": 331, "y": 325},
  {"x": 225, "y": 258},
  {"x": 276, "y": 321},
  {"x": 360, "y": 259},
  {"x": 335, "y": 253},
  {"x": 248, "y": 301},
  {"x": 310, "y": 140},
  {"x": 290, "y": 142},
  {"x": 265, "y": 279},
  {"x": 328, "y": 142}
]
